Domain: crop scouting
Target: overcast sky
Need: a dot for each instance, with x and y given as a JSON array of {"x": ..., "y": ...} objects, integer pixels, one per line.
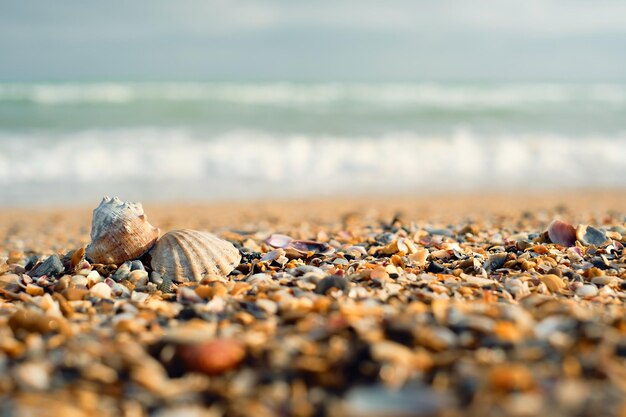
[{"x": 313, "y": 40}]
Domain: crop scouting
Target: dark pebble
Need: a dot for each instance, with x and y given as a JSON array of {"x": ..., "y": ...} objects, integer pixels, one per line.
[
  {"x": 137, "y": 265},
  {"x": 436, "y": 268},
  {"x": 51, "y": 267},
  {"x": 32, "y": 261},
  {"x": 599, "y": 263},
  {"x": 495, "y": 261},
  {"x": 332, "y": 281},
  {"x": 440, "y": 232}
]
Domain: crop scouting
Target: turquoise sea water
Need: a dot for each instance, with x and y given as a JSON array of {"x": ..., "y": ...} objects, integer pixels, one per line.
[{"x": 73, "y": 142}]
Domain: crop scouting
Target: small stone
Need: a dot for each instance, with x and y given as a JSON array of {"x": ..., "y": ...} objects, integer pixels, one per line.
[
  {"x": 100, "y": 290},
  {"x": 32, "y": 376},
  {"x": 137, "y": 266},
  {"x": 122, "y": 272},
  {"x": 93, "y": 278},
  {"x": 139, "y": 277},
  {"x": 34, "y": 290},
  {"x": 587, "y": 290},
  {"x": 495, "y": 261},
  {"x": 511, "y": 377},
  {"x": 331, "y": 281},
  {"x": 75, "y": 293},
  {"x": 604, "y": 280},
  {"x": 10, "y": 278},
  {"x": 213, "y": 357},
  {"x": 33, "y": 322},
  {"x": 51, "y": 267},
  {"x": 80, "y": 280}
]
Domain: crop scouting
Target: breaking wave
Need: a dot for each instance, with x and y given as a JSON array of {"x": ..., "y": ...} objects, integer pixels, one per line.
[
  {"x": 286, "y": 94},
  {"x": 157, "y": 164}
]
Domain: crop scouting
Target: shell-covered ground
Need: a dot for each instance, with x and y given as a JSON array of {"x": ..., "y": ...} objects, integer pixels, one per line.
[{"x": 443, "y": 306}]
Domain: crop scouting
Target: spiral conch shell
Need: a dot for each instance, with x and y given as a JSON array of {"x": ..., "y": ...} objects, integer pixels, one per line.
[
  {"x": 119, "y": 232},
  {"x": 189, "y": 255}
]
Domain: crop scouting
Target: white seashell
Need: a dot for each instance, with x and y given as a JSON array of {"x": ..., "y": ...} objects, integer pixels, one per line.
[
  {"x": 119, "y": 232},
  {"x": 189, "y": 255}
]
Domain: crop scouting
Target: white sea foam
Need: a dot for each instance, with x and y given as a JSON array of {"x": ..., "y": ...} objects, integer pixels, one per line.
[
  {"x": 162, "y": 164},
  {"x": 281, "y": 94}
]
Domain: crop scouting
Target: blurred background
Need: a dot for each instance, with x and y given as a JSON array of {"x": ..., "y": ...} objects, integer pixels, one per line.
[{"x": 228, "y": 100}]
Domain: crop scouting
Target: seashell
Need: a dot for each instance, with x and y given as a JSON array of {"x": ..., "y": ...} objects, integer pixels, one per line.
[
  {"x": 189, "y": 255},
  {"x": 307, "y": 248},
  {"x": 589, "y": 235},
  {"x": 562, "y": 233},
  {"x": 278, "y": 241},
  {"x": 553, "y": 282},
  {"x": 119, "y": 232}
]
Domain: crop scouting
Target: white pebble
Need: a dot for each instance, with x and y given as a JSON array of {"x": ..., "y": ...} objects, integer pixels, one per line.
[
  {"x": 94, "y": 277},
  {"x": 80, "y": 280},
  {"x": 100, "y": 290},
  {"x": 587, "y": 290},
  {"x": 138, "y": 277}
]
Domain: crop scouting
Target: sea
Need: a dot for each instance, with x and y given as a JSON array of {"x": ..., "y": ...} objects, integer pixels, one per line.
[{"x": 73, "y": 142}]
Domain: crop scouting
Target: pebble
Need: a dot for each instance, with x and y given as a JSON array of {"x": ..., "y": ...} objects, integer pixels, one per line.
[
  {"x": 213, "y": 357},
  {"x": 100, "y": 290},
  {"x": 587, "y": 290},
  {"x": 80, "y": 280},
  {"x": 137, "y": 266},
  {"x": 122, "y": 272},
  {"x": 32, "y": 376},
  {"x": 51, "y": 267},
  {"x": 138, "y": 277},
  {"x": 332, "y": 281}
]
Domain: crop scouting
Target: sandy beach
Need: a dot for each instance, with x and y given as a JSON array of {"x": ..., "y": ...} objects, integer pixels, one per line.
[{"x": 430, "y": 306}]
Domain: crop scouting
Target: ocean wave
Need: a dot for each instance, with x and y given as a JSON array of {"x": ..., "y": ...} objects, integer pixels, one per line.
[
  {"x": 439, "y": 95},
  {"x": 393, "y": 161}
]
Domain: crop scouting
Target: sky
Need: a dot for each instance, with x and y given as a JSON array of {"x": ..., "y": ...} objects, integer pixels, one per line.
[{"x": 348, "y": 40}]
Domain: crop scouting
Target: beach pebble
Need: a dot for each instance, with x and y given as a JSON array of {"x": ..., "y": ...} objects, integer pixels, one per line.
[
  {"x": 34, "y": 290},
  {"x": 34, "y": 322},
  {"x": 80, "y": 280},
  {"x": 93, "y": 278},
  {"x": 10, "y": 278},
  {"x": 100, "y": 290},
  {"x": 213, "y": 357},
  {"x": 495, "y": 261},
  {"x": 122, "y": 272},
  {"x": 332, "y": 281},
  {"x": 379, "y": 400},
  {"x": 137, "y": 266},
  {"x": 587, "y": 290},
  {"x": 51, "y": 267},
  {"x": 74, "y": 293},
  {"x": 138, "y": 277},
  {"x": 32, "y": 376}
]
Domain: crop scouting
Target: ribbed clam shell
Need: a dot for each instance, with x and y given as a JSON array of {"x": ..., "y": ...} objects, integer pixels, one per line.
[
  {"x": 119, "y": 232},
  {"x": 189, "y": 255}
]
